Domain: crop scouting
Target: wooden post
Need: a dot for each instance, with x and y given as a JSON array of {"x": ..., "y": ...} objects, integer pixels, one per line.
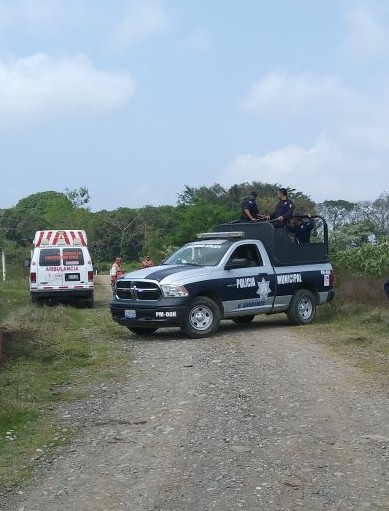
[{"x": 3, "y": 264}]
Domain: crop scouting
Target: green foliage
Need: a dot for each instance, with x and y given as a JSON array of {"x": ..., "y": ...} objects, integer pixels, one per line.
[
  {"x": 349, "y": 236},
  {"x": 157, "y": 230},
  {"x": 367, "y": 259},
  {"x": 199, "y": 217},
  {"x": 43, "y": 203}
]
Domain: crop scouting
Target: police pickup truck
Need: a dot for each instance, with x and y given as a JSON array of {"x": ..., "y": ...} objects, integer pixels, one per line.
[{"x": 237, "y": 272}]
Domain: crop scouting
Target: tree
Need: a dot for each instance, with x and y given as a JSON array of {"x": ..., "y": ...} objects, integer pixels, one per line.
[
  {"x": 199, "y": 217},
  {"x": 336, "y": 212},
  {"x": 215, "y": 193},
  {"x": 20, "y": 227},
  {"x": 79, "y": 197},
  {"x": 377, "y": 214},
  {"x": 42, "y": 203}
]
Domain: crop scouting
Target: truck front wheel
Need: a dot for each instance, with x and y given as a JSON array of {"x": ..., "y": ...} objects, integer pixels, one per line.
[
  {"x": 202, "y": 318},
  {"x": 302, "y": 308}
]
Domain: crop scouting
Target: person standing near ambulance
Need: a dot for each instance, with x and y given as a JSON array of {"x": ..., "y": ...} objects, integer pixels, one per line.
[
  {"x": 147, "y": 262},
  {"x": 116, "y": 271}
]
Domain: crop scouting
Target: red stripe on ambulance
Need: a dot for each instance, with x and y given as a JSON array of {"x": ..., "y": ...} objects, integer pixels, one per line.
[{"x": 38, "y": 243}]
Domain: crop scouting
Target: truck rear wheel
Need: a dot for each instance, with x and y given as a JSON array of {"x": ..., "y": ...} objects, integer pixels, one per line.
[
  {"x": 243, "y": 320},
  {"x": 202, "y": 318},
  {"x": 142, "y": 331},
  {"x": 302, "y": 308}
]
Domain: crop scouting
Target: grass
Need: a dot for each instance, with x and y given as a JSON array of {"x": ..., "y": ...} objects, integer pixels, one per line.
[
  {"x": 356, "y": 324},
  {"x": 48, "y": 351}
]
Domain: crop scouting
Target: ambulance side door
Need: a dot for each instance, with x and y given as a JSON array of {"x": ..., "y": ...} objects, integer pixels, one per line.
[
  {"x": 75, "y": 270},
  {"x": 49, "y": 272}
]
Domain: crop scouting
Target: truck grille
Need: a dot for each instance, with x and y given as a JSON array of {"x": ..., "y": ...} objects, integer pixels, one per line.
[{"x": 137, "y": 290}]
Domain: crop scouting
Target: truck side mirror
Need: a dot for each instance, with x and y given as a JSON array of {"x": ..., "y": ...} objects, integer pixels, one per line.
[
  {"x": 235, "y": 264},
  {"x": 27, "y": 262}
]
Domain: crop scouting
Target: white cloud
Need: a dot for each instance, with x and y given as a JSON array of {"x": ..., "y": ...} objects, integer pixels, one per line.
[
  {"x": 324, "y": 170},
  {"x": 142, "y": 20},
  {"x": 40, "y": 85},
  {"x": 350, "y": 155},
  {"x": 281, "y": 94},
  {"x": 366, "y": 34}
]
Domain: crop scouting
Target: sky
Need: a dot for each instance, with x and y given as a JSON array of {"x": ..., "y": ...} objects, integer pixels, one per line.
[{"x": 137, "y": 98}]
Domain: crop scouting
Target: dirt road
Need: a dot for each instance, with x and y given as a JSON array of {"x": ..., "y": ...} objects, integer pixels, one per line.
[{"x": 256, "y": 418}]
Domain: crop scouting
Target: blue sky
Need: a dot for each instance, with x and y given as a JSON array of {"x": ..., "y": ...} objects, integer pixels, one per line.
[{"x": 136, "y": 98}]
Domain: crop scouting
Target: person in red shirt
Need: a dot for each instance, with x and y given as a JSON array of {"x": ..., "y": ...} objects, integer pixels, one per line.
[
  {"x": 147, "y": 262},
  {"x": 116, "y": 271}
]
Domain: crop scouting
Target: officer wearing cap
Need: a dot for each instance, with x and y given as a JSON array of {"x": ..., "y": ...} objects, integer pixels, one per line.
[
  {"x": 284, "y": 209},
  {"x": 250, "y": 210}
]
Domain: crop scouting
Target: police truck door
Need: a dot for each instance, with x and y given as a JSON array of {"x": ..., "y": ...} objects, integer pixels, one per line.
[{"x": 248, "y": 290}]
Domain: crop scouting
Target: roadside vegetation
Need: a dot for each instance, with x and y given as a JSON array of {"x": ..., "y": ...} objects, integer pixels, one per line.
[
  {"x": 51, "y": 353},
  {"x": 356, "y": 324}
]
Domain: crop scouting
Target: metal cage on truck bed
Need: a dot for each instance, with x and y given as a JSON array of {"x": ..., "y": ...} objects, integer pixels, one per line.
[{"x": 279, "y": 243}]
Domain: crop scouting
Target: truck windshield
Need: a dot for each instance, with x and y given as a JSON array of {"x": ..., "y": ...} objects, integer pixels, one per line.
[{"x": 199, "y": 254}]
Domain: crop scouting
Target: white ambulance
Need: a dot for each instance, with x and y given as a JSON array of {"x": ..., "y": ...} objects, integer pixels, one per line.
[{"x": 61, "y": 268}]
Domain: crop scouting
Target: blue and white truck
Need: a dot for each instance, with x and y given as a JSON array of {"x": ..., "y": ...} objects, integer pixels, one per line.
[{"x": 237, "y": 272}]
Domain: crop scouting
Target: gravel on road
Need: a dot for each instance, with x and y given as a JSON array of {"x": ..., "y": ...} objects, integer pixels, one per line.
[{"x": 258, "y": 418}]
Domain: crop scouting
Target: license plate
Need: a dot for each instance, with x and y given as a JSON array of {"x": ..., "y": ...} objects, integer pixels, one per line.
[
  {"x": 130, "y": 314},
  {"x": 72, "y": 277}
]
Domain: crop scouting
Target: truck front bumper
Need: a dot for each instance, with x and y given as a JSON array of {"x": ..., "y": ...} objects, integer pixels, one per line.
[{"x": 146, "y": 315}]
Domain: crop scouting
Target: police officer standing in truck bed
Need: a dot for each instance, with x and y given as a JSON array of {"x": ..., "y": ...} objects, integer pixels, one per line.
[
  {"x": 284, "y": 209},
  {"x": 250, "y": 210}
]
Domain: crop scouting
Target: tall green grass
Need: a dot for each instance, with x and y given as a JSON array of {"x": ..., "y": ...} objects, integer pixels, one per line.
[
  {"x": 356, "y": 323},
  {"x": 50, "y": 352}
]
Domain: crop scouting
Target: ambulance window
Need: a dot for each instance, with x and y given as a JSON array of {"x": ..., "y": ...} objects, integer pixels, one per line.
[
  {"x": 50, "y": 257},
  {"x": 73, "y": 257}
]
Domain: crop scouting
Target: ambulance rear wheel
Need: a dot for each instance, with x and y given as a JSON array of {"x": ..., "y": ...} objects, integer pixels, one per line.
[
  {"x": 302, "y": 308},
  {"x": 243, "y": 320},
  {"x": 142, "y": 331}
]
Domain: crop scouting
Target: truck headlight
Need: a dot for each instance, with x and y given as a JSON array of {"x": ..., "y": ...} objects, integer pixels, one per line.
[{"x": 174, "y": 291}]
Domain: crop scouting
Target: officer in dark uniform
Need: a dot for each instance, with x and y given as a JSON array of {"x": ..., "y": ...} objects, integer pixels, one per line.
[
  {"x": 302, "y": 228},
  {"x": 250, "y": 210},
  {"x": 284, "y": 209}
]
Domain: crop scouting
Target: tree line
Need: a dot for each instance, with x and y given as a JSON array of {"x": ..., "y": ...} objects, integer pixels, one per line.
[{"x": 156, "y": 230}]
